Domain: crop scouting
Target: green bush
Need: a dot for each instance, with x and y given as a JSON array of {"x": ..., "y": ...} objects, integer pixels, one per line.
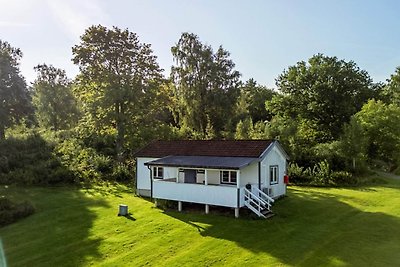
[
  {"x": 11, "y": 212},
  {"x": 343, "y": 178},
  {"x": 320, "y": 174},
  {"x": 121, "y": 172},
  {"x": 29, "y": 159},
  {"x": 58, "y": 157},
  {"x": 297, "y": 174}
]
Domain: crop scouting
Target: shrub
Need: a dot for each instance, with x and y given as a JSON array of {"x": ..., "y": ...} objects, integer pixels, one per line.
[
  {"x": 11, "y": 212},
  {"x": 343, "y": 177},
  {"x": 297, "y": 174},
  {"x": 320, "y": 174},
  {"x": 121, "y": 173},
  {"x": 29, "y": 159}
]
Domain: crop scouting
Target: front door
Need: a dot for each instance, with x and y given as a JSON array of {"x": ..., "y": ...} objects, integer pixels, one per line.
[{"x": 190, "y": 176}]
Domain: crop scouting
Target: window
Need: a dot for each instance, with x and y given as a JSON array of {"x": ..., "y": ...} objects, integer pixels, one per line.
[
  {"x": 228, "y": 177},
  {"x": 273, "y": 174},
  {"x": 158, "y": 172}
]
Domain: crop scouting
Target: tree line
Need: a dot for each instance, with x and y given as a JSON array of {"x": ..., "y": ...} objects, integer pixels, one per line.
[{"x": 329, "y": 115}]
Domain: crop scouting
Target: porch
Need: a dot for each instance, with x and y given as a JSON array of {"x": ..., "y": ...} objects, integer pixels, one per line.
[
  {"x": 219, "y": 195},
  {"x": 212, "y": 181}
]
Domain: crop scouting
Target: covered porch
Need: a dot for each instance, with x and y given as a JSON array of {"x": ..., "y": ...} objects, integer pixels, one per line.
[{"x": 205, "y": 180}]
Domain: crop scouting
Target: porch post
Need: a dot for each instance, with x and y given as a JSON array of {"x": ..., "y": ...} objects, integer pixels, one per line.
[
  {"x": 238, "y": 178},
  {"x": 206, "y": 177},
  {"x": 179, "y": 206},
  {"x": 238, "y": 195},
  {"x": 207, "y": 208},
  {"x": 177, "y": 175},
  {"x": 236, "y": 212}
]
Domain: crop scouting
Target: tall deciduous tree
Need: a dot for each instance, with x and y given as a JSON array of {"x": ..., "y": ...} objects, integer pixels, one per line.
[
  {"x": 53, "y": 99},
  {"x": 118, "y": 73},
  {"x": 253, "y": 96},
  {"x": 354, "y": 143},
  {"x": 382, "y": 126},
  {"x": 391, "y": 92},
  {"x": 206, "y": 85},
  {"x": 14, "y": 95},
  {"x": 325, "y": 91}
]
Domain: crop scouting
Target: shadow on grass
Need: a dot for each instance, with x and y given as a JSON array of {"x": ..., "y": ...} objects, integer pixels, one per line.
[
  {"x": 310, "y": 229},
  {"x": 128, "y": 216},
  {"x": 109, "y": 189},
  {"x": 58, "y": 234}
]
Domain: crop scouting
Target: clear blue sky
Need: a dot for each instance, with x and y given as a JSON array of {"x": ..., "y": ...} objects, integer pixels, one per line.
[{"x": 264, "y": 37}]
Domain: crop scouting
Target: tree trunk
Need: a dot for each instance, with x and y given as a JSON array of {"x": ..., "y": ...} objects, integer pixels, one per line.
[
  {"x": 354, "y": 163},
  {"x": 120, "y": 131}
]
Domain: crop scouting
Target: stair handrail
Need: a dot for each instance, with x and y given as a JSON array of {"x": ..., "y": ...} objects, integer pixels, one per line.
[
  {"x": 268, "y": 198},
  {"x": 256, "y": 211},
  {"x": 260, "y": 204},
  {"x": 256, "y": 197}
]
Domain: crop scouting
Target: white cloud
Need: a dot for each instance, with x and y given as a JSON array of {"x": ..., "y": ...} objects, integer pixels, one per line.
[
  {"x": 75, "y": 16},
  {"x": 6, "y": 23},
  {"x": 16, "y": 13}
]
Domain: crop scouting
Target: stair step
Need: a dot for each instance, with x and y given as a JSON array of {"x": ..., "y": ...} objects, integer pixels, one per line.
[
  {"x": 266, "y": 211},
  {"x": 269, "y": 215}
]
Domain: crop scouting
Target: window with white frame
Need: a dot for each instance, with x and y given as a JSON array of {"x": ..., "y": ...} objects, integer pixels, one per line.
[
  {"x": 158, "y": 172},
  {"x": 228, "y": 177},
  {"x": 273, "y": 174}
]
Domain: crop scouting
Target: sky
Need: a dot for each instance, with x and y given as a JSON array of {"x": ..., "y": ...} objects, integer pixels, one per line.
[{"x": 264, "y": 37}]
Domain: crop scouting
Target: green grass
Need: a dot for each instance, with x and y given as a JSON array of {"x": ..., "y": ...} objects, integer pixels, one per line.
[{"x": 312, "y": 227}]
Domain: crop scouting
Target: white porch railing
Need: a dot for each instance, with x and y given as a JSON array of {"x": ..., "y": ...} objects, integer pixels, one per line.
[
  {"x": 254, "y": 203},
  {"x": 269, "y": 200},
  {"x": 219, "y": 195},
  {"x": 258, "y": 202}
]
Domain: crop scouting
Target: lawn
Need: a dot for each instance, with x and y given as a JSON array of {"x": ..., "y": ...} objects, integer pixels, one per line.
[{"x": 312, "y": 227}]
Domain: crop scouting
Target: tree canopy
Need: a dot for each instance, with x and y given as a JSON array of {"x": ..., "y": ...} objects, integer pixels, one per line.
[
  {"x": 53, "y": 100},
  {"x": 382, "y": 127},
  {"x": 14, "y": 95},
  {"x": 391, "y": 92},
  {"x": 206, "y": 85},
  {"x": 117, "y": 76},
  {"x": 327, "y": 113},
  {"x": 325, "y": 91}
]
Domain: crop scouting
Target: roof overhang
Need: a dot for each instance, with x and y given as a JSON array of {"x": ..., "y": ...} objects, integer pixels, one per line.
[
  {"x": 278, "y": 145},
  {"x": 233, "y": 163}
]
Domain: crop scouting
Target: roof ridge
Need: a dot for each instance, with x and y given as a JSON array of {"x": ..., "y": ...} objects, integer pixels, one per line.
[{"x": 223, "y": 148}]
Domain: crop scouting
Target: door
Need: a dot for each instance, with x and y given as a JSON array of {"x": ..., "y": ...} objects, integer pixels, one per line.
[{"x": 190, "y": 176}]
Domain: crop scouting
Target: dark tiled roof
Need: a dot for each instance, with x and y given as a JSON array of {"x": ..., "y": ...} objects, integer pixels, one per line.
[
  {"x": 211, "y": 148},
  {"x": 203, "y": 162}
]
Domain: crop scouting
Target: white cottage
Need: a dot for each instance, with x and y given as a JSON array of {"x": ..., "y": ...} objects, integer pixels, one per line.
[{"x": 229, "y": 173}]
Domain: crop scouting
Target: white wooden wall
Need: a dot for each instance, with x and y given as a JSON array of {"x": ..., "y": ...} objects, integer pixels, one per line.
[{"x": 274, "y": 157}]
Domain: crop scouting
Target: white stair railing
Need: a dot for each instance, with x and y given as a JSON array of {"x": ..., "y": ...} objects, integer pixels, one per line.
[
  {"x": 269, "y": 200},
  {"x": 255, "y": 203}
]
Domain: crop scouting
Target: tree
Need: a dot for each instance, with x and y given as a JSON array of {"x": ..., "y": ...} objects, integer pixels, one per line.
[
  {"x": 254, "y": 97},
  {"x": 354, "y": 144},
  {"x": 244, "y": 129},
  {"x": 119, "y": 76},
  {"x": 325, "y": 91},
  {"x": 206, "y": 85},
  {"x": 53, "y": 99},
  {"x": 14, "y": 95},
  {"x": 391, "y": 91},
  {"x": 381, "y": 123}
]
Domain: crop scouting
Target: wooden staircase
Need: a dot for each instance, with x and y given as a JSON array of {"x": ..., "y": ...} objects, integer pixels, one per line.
[{"x": 258, "y": 202}]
